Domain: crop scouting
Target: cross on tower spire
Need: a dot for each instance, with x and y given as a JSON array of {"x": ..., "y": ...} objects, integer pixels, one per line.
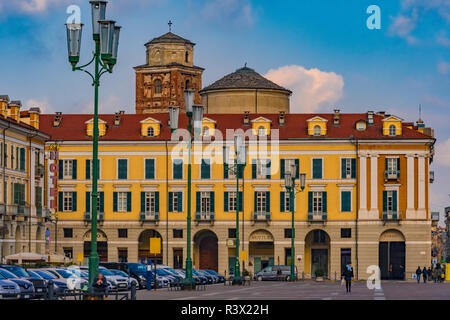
[{"x": 170, "y": 25}]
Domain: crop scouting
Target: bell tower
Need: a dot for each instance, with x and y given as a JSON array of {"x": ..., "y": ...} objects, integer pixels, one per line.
[{"x": 169, "y": 70}]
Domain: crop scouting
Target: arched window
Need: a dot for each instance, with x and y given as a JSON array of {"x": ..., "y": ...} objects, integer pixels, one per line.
[
  {"x": 187, "y": 85},
  {"x": 158, "y": 86},
  {"x": 317, "y": 131},
  {"x": 187, "y": 57},
  {"x": 261, "y": 131},
  {"x": 392, "y": 130},
  {"x": 205, "y": 131},
  {"x": 150, "y": 132}
]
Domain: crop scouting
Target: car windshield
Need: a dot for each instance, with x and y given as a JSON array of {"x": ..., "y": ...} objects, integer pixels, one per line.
[
  {"x": 161, "y": 272},
  {"x": 18, "y": 271},
  {"x": 195, "y": 272},
  {"x": 138, "y": 268},
  {"x": 34, "y": 274},
  {"x": 105, "y": 272},
  {"x": 119, "y": 273},
  {"x": 212, "y": 272},
  {"x": 7, "y": 274},
  {"x": 45, "y": 275},
  {"x": 65, "y": 274}
]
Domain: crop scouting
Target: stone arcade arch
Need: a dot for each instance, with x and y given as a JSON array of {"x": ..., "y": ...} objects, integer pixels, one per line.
[
  {"x": 206, "y": 250},
  {"x": 317, "y": 253},
  {"x": 392, "y": 254},
  {"x": 144, "y": 246}
]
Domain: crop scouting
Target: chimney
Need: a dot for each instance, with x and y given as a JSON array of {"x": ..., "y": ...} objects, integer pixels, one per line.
[
  {"x": 337, "y": 117},
  {"x": 4, "y": 100},
  {"x": 246, "y": 118},
  {"x": 382, "y": 113},
  {"x": 14, "y": 108},
  {"x": 34, "y": 117},
  {"x": 117, "y": 118},
  {"x": 370, "y": 118},
  {"x": 57, "y": 120},
  {"x": 282, "y": 119}
]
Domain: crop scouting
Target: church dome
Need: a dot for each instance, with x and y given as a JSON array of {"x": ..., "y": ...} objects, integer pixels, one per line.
[{"x": 245, "y": 90}]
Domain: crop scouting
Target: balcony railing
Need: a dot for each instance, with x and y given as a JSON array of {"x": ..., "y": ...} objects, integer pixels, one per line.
[
  {"x": 317, "y": 216},
  {"x": 205, "y": 216},
  {"x": 392, "y": 174},
  {"x": 262, "y": 216},
  {"x": 14, "y": 209},
  {"x": 100, "y": 216},
  {"x": 149, "y": 216},
  {"x": 391, "y": 216}
]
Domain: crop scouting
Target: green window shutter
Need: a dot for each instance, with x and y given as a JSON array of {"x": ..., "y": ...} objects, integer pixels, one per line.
[
  {"x": 398, "y": 164},
  {"x": 74, "y": 169},
  {"x": 345, "y": 201},
  {"x": 386, "y": 164},
  {"x": 74, "y": 201},
  {"x": 142, "y": 201},
  {"x": 384, "y": 201},
  {"x": 60, "y": 202},
  {"x": 324, "y": 202},
  {"x": 343, "y": 169},
  {"x": 297, "y": 164},
  {"x": 157, "y": 202},
  {"x": 178, "y": 169},
  {"x": 170, "y": 202},
  {"x": 267, "y": 201},
  {"x": 88, "y": 201},
  {"x": 241, "y": 172},
  {"x": 268, "y": 169},
  {"x": 282, "y": 201},
  {"x": 353, "y": 168},
  {"x": 310, "y": 202},
  {"x": 17, "y": 157},
  {"x": 102, "y": 201},
  {"x": 22, "y": 159},
  {"x": 98, "y": 169},
  {"x": 16, "y": 193},
  {"x": 128, "y": 201},
  {"x": 180, "y": 202},
  {"x": 225, "y": 171},
  {"x": 211, "y": 195},
  {"x": 225, "y": 201},
  {"x": 61, "y": 169},
  {"x": 197, "y": 202},
  {"x": 394, "y": 201},
  {"x": 256, "y": 202},
  {"x": 282, "y": 168},
  {"x": 149, "y": 168},
  {"x": 205, "y": 169},
  {"x": 317, "y": 168},
  {"x": 115, "y": 201},
  {"x": 123, "y": 170},
  {"x": 241, "y": 197},
  {"x": 253, "y": 169},
  {"x": 88, "y": 169}
]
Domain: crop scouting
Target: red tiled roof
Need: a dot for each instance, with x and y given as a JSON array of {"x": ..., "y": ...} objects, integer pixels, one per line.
[{"x": 73, "y": 127}]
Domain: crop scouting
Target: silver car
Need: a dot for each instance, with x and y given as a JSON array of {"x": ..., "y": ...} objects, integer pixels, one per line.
[
  {"x": 26, "y": 287},
  {"x": 9, "y": 290}
]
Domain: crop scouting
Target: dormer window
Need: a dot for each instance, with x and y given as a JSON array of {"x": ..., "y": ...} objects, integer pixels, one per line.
[
  {"x": 317, "y": 131},
  {"x": 150, "y": 132},
  {"x": 392, "y": 130},
  {"x": 361, "y": 126},
  {"x": 150, "y": 128},
  {"x": 261, "y": 131},
  {"x": 157, "y": 86},
  {"x": 205, "y": 131}
]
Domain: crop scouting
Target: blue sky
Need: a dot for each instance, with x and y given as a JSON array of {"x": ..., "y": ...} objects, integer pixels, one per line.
[{"x": 322, "y": 50}]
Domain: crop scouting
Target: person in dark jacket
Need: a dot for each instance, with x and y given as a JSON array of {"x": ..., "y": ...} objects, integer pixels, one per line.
[
  {"x": 347, "y": 275},
  {"x": 429, "y": 274},
  {"x": 418, "y": 273},
  {"x": 424, "y": 274},
  {"x": 100, "y": 285}
]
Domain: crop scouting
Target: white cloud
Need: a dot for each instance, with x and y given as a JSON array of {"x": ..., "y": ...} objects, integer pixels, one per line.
[
  {"x": 42, "y": 104},
  {"x": 442, "y": 39},
  {"x": 444, "y": 67},
  {"x": 33, "y": 6},
  {"x": 443, "y": 153},
  {"x": 313, "y": 89},
  {"x": 109, "y": 105},
  {"x": 226, "y": 11},
  {"x": 403, "y": 25}
]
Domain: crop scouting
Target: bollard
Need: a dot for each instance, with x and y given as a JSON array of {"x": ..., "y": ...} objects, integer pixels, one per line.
[
  {"x": 133, "y": 291},
  {"x": 50, "y": 290}
]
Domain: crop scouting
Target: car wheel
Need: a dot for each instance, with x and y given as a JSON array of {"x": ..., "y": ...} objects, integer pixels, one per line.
[{"x": 259, "y": 278}]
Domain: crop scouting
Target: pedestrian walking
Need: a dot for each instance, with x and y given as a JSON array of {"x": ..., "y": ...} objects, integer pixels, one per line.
[
  {"x": 429, "y": 274},
  {"x": 435, "y": 275},
  {"x": 418, "y": 273},
  {"x": 348, "y": 276},
  {"x": 424, "y": 274},
  {"x": 439, "y": 274}
]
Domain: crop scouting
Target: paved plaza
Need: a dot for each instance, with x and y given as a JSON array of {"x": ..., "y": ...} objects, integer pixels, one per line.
[{"x": 307, "y": 290}]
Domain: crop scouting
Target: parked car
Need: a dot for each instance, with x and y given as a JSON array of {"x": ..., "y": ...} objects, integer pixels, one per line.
[
  {"x": 8, "y": 289},
  {"x": 272, "y": 273},
  {"x": 136, "y": 270},
  {"x": 197, "y": 279},
  {"x": 40, "y": 285},
  {"x": 26, "y": 287},
  {"x": 121, "y": 273},
  {"x": 211, "y": 279},
  {"x": 221, "y": 279},
  {"x": 117, "y": 282},
  {"x": 83, "y": 273},
  {"x": 202, "y": 278},
  {"x": 59, "y": 286},
  {"x": 73, "y": 281}
]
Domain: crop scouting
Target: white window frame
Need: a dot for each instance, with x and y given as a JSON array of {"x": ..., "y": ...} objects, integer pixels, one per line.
[
  {"x": 150, "y": 202},
  {"x": 392, "y": 165},
  {"x": 394, "y": 132},
  {"x": 317, "y": 203},
  {"x": 232, "y": 201},
  {"x": 68, "y": 176},
  {"x": 99, "y": 168},
  {"x": 262, "y": 131},
  {"x": 315, "y": 133},
  {"x": 390, "y": 196},
  {"x": 67, "y": 201},
  {"x": 122, "y": 199},
  {"x": 261, "y": 168},
  {"x": 261, "y": 202},
  {"x": 175, "y": 207},
  {"x": 128, "y": 168},
  {"x": 205, "y": 204},
  {"x": 348, "y": 167}
]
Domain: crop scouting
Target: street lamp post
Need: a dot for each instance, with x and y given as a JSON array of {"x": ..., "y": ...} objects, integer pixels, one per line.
[
  {"x": 106, "y": 38},
  {"x": 237, "y": 169},
  {"x": 289, "y": 178},
  {"x": 195, "y": 116}
]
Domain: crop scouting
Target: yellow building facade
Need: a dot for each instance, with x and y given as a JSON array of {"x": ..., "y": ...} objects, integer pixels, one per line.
[{"x": 365, "y": 201}]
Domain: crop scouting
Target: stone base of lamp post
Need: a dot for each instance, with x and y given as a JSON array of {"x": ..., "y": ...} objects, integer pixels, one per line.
[
  {"x": 237, "y": 281},
  {"x": 188, "y": 284}
]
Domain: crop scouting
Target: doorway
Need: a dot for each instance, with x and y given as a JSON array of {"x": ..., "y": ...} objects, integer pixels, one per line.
[{"x": 392, "y": 255}]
